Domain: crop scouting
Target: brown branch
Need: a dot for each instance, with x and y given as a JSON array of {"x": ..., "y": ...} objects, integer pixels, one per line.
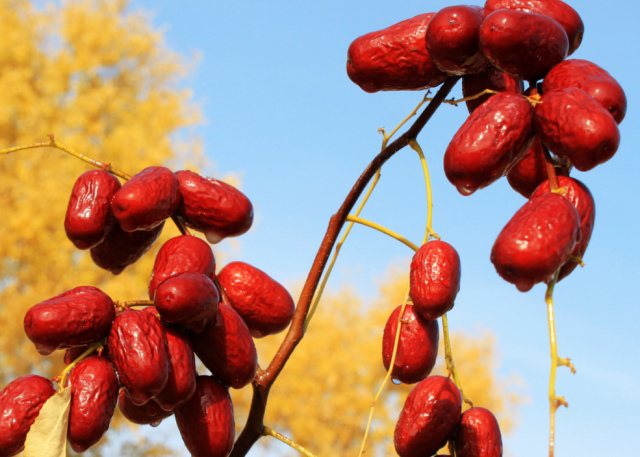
[{"x": 254, "y": 428}]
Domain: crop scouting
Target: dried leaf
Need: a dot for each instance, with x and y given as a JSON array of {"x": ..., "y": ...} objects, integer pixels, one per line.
[{"x": 48, "y": 434}]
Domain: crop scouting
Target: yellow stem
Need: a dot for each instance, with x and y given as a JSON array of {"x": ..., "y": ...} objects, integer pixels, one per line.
[
  {"x": 427, "y": 181},
  {"x": 268, "y": 431},
  {"x": 448, "y": 357},
  {"x": 62, "y": 377},
  {"x": 382, "y": 229},
  {"x": 130, "y": 303}
]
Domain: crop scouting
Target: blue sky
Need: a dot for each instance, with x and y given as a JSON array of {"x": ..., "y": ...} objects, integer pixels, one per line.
[{"x": 282, "y": 114}]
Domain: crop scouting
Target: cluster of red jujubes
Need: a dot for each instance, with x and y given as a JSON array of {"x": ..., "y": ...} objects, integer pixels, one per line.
[
  {"x": 144, "y": 359},
  {"x": 567, "y": 117}
]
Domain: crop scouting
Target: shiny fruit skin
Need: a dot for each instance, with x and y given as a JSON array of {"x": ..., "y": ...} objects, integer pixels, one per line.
[
  {"x": 452, "y": 40},
  {"x": 575, "y": 126},
  {"x": 592, "y": 79},
  {"x": 76, "y": 317},
  {"x": 394, "y": 58},
  {"x": 89, "y": 219},
  {"x": 94, "y": 394},
  {"x": 493, "y": 79},
  {"x": 262, "y": 302},
  {"x": 138, "y": 349},
  {"x": 526, "y": 45},
  {"x": 496, "y": 134},
  {"x": 429, "y": 417},
  {"x": 478, "y": 434},
  {"x": 537, "y": 240},
  {"x": 206, "y": 421},
  {"x": 148, "y": 414},
  {"x": 213, "y": 207},
  {"x": 146, "y": 200},
  {"x": 417, "y": 347},
  {"x": 20, "y": 403},
  {"x": 226, "y": 348}
]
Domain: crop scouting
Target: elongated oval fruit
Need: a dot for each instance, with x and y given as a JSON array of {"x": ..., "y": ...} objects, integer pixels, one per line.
[
  {"x": 417, "y": 346},
  {"x": 148, "y": 414},
  {"x": 89, "y": 218},
  {"x": 20, "y": 403},
  {"x": 94, "y": 394},
  {"x": 575, "y": 126},
  {"x": 138, "y": 349},
  {"x": 537, "y": 240},
  {"x": 262, "y": 302},
  {"x": 434, "y": 279},
  {"x": 213, "y": 207},
  {"x": 478, "y": 434},
  {"x": 394, "y": 58},
  {"x": 206, "y": 421},
  {"x": 526, "y": 45},
  {"x": 429, "y": 417},
  {"x": 492, "y": 79},
  {"x": 495, "y": 135},
  {"x": 74, "y": 318},
  {"x": 147, "y": 199},
  {"x": 226, "y": 348},
  {"x": 592, "y": 79}
]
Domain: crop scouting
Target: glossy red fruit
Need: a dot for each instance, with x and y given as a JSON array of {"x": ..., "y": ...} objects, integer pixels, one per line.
[
  {"x": 537, "y": 240},
  {"x": 429, "y": 417},
  {"x": 121, "y": 249},
  {"x": 575, "y": 126},
  {"x": 478, "y": 434},
  {"x": 493, "y": 79},
  {"x": 452, "y": 40},
  {"x": 74, "y": 318},
  {"x": 495, "y": 135},
  {"x": 417, "y": 347},
  {"x": 592, "y": 79},
  {"x": 206, "y": 421},
  {"x": 226, "y": 348},
  {"x": 148, "y": 414},
  {"x": 525, "y": 45},
  {"x": 94, "y": 393},
  {"x": 578, "y": 194},
  {"x": 566, "y": 16},
  {"x": 213, "y": 207},
  {"x": 181, "y": 254},
  {"x": 394, "y": 58},
  {"x": 138, "y": 349},
  {"x": 262, "y": 302},
  {"x": 89, "y": 217},
  {"x": 20, "y": 403},
  {"x": 434, "y": 279},
  {"x": 147, "y": 199}
]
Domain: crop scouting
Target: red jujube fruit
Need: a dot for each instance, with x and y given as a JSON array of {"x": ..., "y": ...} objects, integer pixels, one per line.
[
  {"x": 148, "y": 414},
  {"x": 262, "y": 302},
  {"x": 478, "y": 434},
  {"x": 417, "y": 347},
  {"x": 493, "y": 79},
  {"x": 74, "y": 318},
  {"x": 89, "y": 217}
]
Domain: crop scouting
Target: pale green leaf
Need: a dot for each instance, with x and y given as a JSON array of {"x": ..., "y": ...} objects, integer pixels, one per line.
[{"x": 48, "y": 434}]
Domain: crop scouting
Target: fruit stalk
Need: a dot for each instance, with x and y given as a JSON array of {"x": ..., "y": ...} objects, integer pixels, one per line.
[{"x": 268, "y": 431}]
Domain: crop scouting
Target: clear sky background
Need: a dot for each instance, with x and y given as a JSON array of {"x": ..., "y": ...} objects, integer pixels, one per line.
[{"x": 281, "y": 112}]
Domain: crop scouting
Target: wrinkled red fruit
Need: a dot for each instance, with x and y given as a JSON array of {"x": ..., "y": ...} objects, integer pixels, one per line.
[
  {"x": 493, "y": 79},
  {"x": 566, "y": 16},
  {"x": 89, "y": 217},
  {"x": 488, "y": 143},
  {"x": 394, "y": 58},
  {"x": 20, "y": 403},
  {"x": 592, "y": 79},
  {"x": 262, "y": 302},
  {"x": 121, "y": 249},
  {"x": 574, "y": 125},
  {"x": 138, "y": 349},
  {"x": 148, "y": 414},
  {"x": 434, "y": 279},
  {"x": 74, "y": 318},
  {"x": 417, "y": 347},
  {"x": 181, "y": 254},
  {"x": 206, "y": 421},
  {"x": 226, "y": 348},
  {"x": 537, "y": 240},
  {"x": 213, "y": 207},
  {"x": 478, "y": 434},
  {"x": 526, "y": 45},
  {"x": 429, "y": 417},
  {"x": 452, "y": 40},
  {"x": 94, "y": 393},
  {"x": 146, "y": 200},
  {"x": 579, "y": 195}
]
